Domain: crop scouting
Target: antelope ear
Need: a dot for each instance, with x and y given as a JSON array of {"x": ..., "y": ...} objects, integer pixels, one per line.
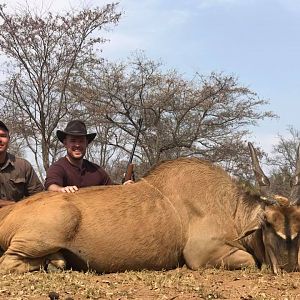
[{"x": 250, "y": 228}]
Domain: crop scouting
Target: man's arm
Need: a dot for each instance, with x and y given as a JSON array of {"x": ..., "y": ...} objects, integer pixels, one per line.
[
  {"x": 55, "y": 180},
  {"x": 104, "y": 178},
  {"x": 4, "y": 202},
  {"x": 33, "y": 183}
]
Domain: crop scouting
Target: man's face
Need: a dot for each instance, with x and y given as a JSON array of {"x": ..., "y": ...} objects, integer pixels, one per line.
[
  {"x": 76, "y": 146},
  {"x": 4, "y": 140}
]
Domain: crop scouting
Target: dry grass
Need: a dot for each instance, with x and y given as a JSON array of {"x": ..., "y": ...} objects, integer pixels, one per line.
[{"x": 175, "y": 284}]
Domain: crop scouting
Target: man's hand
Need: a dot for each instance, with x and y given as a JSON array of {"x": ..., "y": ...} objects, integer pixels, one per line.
[
  {"x": 128, "y": 182},
  {"x": 62, "y": 189},
  {"x": 69, "y": 189},
  {"x": 6, "y": 202}
]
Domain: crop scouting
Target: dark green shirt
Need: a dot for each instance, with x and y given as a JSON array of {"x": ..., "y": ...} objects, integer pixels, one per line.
[{"x": 18, "y": 179}]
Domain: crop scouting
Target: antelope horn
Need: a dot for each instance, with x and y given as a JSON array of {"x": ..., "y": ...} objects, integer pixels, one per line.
[
  {"x": 260, "y": 177},
  {"x": 295, "y": 180}
]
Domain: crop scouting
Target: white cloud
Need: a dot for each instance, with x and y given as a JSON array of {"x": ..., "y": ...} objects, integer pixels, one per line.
[{"x": 120, "y": 45}]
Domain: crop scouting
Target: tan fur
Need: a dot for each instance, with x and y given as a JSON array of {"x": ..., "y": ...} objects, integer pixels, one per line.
[{"x": 185, "y": 208}]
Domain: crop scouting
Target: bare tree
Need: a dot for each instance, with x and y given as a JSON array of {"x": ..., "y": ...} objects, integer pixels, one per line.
[
  {"x": 45, "y": 52},
  {"x": 55, "y": 74},
  {"x": 206, "y": 116},
  {"x": 283, "y": 160},
  {"x": 284, "y": 153}
]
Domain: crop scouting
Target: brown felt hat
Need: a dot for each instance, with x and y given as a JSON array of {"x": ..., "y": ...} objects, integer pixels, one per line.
[
  {"x": 77, "y": 128},
  {"x": 3, "y": 126}
]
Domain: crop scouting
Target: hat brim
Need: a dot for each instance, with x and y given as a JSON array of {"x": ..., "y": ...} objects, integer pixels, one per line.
[
  {"x": 2, "y": 125},
  {"x": 61, "y": 135}
]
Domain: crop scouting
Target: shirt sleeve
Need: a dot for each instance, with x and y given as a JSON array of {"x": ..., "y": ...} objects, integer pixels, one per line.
[
  {"x": 33, "y": 183},
  {"x": 54, "y": 175},
  {"x": 106, "y": 180}
]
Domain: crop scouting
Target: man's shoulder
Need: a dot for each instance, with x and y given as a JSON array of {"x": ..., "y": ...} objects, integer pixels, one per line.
[
  {"x": 88, "y": 163},
  {"x": 16, "y": 160},
  {"x": 98, "y": 171},
  {"x": 95, "y": 167},
  {"x": 60, "y": 162}
]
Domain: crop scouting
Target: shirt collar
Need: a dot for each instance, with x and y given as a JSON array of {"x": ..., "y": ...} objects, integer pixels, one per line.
[
  {"x": 83, "y": 166},
  {"x": 10, "y": 160}
]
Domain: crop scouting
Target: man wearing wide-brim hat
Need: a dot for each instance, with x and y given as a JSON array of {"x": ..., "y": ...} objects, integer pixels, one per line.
[{"x": 72, "y": 171}]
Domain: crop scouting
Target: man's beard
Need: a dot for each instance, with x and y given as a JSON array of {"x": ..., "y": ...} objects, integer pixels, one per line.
[{"x": 76, "y": 158}]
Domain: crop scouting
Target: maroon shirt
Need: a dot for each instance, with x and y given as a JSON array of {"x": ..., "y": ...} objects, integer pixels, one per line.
[{"x": 63, "y": 173}]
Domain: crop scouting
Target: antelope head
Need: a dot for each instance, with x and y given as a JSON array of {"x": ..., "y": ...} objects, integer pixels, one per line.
[{"x": 280, "y": 224}]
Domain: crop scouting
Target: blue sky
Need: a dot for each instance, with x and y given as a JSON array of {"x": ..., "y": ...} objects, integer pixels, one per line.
[{"x": 256, "y": 40}]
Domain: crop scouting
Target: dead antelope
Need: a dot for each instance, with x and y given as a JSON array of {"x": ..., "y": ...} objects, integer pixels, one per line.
[{"x": 183, "y": 211}]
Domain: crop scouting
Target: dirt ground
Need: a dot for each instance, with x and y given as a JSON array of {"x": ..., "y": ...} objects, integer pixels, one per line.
[{"x": 180, "y": 283}]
